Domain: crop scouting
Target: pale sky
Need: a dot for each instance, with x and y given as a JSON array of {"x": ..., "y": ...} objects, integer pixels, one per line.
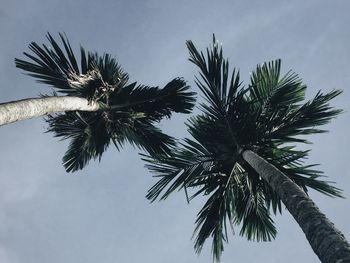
[{"x": 101, "y": 214}]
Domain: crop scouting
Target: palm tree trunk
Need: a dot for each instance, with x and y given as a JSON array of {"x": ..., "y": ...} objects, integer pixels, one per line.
[
  {"x": 328, "y": 243},
  {"x": 28, "y": 108}
]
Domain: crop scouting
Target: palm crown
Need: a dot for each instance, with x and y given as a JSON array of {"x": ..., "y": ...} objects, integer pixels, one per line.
[
  {"x": 267, "y": 117},
  {"x": 127, "y": 111}
]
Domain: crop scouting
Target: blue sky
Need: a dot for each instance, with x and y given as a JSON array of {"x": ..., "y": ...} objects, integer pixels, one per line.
[{"x": 101, "y": 214}]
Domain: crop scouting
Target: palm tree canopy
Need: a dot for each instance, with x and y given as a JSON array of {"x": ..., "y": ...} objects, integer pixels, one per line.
[
  {"x": 268, "y": 116},
  {"x": 127, "y": 112}
]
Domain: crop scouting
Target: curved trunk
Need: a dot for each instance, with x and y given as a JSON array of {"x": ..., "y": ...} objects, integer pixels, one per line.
[
  {"x": 328, "y": 243},
  {"x": 28, "y": 108}
]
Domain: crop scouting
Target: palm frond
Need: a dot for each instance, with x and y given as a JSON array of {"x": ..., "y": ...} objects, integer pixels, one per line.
[
  {"x": 177, "y": 170},
  {"x": 269, "y": 91},
  {"x": 153, "y": 102},
  {"x": 304, "y": 119},
  {"x": 88, "y": 137},
  {"x": 91, "y": 133},
  {"x": 212, "y": 221},
  {"x": 215, "y": 83},
  {"x": 142, "y": 134},
  {"x": 252, "y": 213},
  {"x": 50, "y": 65},
  {"x": 58, "y": 67}
]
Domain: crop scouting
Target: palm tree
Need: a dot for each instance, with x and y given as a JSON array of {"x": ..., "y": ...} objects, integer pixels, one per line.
[
  {"x": 242, "y": 156},
  {"x": 99, "y": 106}
]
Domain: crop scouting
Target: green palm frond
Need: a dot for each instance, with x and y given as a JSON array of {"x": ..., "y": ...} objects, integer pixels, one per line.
[
  {"x": 51, "y": 65},
  {"x": 266, "y": 117},
  {"x": 211, "y": 220},
  {"x": 219, "y": 90},
  {"x": 154, "y": 102},
  {"x": 305, "y": 118},
  {"x": 254, "y": 216},
  {"x": 58, "y": 67},
  {"x": 88, "y": 137},
  {"x": 142, "y": 134},
  {"x": 128, "y": 112}
]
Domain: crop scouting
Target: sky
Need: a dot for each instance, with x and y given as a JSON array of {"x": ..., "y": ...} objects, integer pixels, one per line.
[{"x": 101, "y": 214}]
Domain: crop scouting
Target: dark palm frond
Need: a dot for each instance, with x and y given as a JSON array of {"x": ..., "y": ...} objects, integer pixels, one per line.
[
  {"x": 215, "y": 83},
  {"x": 291, "y": 162},
  {"x": 142, "y": 134},
  {"x": 58, "y": 67},
  {"x": 212, "y": 221},
  {"x": 178, "y": 170},
  {"x": 254, "y": 215},
  {"x": 127, "y": 112},
  {"x": 304, "y": 119},
  {"x": 154, "y": 102},
  {"x": 280, "y": 116},
  {"x": 91, "y": 133},
  {"x": 50, "y": 65},
  {"x": 267, "y": 86},
  {"x": 267, "y": 117},
  {"x": 88, "y": 136},
  {"x": 189, "y": 168}
]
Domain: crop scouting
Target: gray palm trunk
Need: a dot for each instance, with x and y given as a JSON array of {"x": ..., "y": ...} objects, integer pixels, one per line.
[
  {"x": 28, "y": 108},
  {"x": 328, "y": 243}
]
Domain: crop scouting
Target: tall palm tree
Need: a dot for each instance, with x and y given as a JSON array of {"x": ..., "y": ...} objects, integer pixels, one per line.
[
  {"x": 99, "y": 106},
  {"x": 242, "y": 156}
]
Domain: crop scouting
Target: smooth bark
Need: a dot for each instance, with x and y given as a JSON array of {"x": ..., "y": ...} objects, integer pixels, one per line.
[
  {"x": 28, "y": 108},
  {"x": 328, "y": 243}
]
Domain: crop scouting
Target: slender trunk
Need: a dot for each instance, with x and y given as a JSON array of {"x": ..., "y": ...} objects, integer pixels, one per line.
[
  {"x": 328, "y": 243},
  {"x": 28, "y": 108}
]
